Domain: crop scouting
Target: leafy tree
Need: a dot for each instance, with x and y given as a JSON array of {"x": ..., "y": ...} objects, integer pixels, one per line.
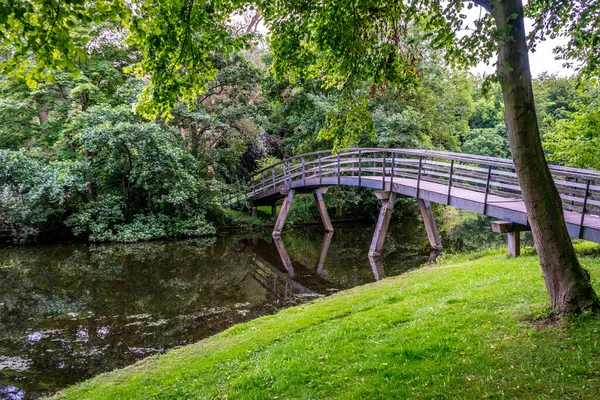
[
  {"x": 491, "y": 142},
  {"x": 557, "y": 98},
  {"x": 576, "y": 141},
  {"x": 228, "y": 118},
  {"x": 488, "y": 107},
  {"x": 144, "y": 185},
  {"x": 35, "y": 196}
]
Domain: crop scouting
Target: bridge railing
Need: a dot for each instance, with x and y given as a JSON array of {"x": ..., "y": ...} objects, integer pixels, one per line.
[{"x": 578, "y": 188}]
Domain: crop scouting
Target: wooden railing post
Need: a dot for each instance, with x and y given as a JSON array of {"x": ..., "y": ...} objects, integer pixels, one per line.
[
  {"x": 320, "y": 171},
  {"x": 585, "y": 201},
  {"x": 383, "y": 172},
  {"x": 359, "y": 167},
  {"x": 303, "y": 172},
  {"x": 263, "y": 182},
  {"x": 273, "y": 176},
  {"x": 487, "y": 189},
  {"x": 419, "y": 176},
  {"x": 283, "y": 164},
  {"x": 338, "y": 167},
  {"x": 393, "y": 167},
  {"x": 450, "y": 182}
]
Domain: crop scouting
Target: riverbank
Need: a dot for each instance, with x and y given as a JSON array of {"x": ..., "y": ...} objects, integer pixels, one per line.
[{"x": 466, "y": 328}]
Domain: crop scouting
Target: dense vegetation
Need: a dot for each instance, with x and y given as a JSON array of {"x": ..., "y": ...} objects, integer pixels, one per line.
[
  {"x": 432, "y": 333},
  {"x": 76, "y": 158}
]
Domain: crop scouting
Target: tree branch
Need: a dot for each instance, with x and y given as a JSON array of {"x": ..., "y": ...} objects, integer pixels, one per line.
[{"x": 487, "y": 4}]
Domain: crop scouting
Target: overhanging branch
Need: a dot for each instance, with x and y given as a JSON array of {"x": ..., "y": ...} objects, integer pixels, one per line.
[{"x": 487, "y": 4}]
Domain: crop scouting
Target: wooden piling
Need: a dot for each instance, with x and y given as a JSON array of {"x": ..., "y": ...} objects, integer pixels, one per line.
[
  {"x": 514, "y": 244},
  {"x": 323, "y": 210},
  {"x": 377, "y": 267},
  {"x": 383, "y": 222},
  {"x": 513, "y": 230},
  {"x": 283, "y": 213},
  {"x": 430, "y": 226}
]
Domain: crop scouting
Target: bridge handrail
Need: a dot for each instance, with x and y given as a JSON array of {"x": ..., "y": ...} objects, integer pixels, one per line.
[
  {"x": 486, "y": 160},
  {"x": 578, "y": 188}
]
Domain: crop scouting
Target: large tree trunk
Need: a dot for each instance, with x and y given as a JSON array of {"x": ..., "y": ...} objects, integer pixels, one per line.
[{"x": 568, "y": 284}]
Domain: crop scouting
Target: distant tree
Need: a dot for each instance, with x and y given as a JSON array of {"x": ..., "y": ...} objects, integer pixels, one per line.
[
  {"x": 488, "y": 107},
  {"x": 491, "y": 142},
  {"x": 575, "y": 141}
]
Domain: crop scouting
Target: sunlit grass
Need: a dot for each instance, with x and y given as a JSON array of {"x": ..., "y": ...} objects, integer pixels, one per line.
[{"x": 465, "y": 329}]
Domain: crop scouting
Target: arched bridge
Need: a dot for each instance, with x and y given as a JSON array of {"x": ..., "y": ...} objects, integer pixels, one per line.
[{"x": 485, "y": 185}]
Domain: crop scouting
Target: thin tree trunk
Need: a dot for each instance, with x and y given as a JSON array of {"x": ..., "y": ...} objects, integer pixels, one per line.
[
  {"x": 43, "y": 116},
  {"x": 567, "y": 282}
]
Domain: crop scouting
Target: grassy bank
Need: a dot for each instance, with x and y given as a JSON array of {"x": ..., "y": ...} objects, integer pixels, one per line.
[{"x": 465, "y": 329}]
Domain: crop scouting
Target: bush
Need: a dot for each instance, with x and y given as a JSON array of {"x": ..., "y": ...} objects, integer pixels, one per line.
[{"x": 35, "y": 195}]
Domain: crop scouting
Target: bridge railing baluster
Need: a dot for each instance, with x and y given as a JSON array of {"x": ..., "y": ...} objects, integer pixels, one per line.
[
  {"x": 450, "y": 182},
  {"x": 487, "y": 189},
  {"x": 585, "y": 201},
  {"x": 419, "y": 176},
  {"x": 383, "y": 171},
  {"x": 338, "y": 168},
  {"x": 393, "y": 170},
  {"x": 359, "y": 167},
  {"x": 320, "y": 171}
]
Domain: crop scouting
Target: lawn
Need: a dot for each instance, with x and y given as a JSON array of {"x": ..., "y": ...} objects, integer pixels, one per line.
[{"x": 463, "y": 329}]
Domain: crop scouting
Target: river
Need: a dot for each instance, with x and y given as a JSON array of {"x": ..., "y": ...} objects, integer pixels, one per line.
[{"x": 71, "y": 311}]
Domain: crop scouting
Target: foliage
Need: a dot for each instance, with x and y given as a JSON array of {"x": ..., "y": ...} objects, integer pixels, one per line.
[
  {"x": 227, "y": 120},
  {"x": 576, "y": 141},
  {"x": 487, "y": 142},
  {"x": 468, "y": 330},
  {"x": 145, "y": 185},
  {"x": 34, "y": 194}
]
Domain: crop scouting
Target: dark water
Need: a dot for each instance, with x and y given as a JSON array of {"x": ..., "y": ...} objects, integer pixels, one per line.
[{"x": 69, "y": 312}]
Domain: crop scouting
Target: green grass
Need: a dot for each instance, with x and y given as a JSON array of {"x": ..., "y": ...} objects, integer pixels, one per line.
[{"x": 465, "y": 329}]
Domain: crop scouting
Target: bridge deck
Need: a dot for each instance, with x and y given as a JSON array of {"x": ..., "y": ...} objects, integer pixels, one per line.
[{"x": 484, "y": 185}]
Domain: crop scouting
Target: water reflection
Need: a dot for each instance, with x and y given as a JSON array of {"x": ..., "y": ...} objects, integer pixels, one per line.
[{"x": 71, "y": 311}]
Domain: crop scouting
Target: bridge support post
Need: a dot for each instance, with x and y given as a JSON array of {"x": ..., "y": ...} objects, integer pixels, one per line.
[
  {"x": 430, "y": 226},
  {"x": 377, "y": 268},
  {"x": 253, "y": 212},
  {"x": 274, "y": 210},
  {"x": 323, "y": 210},
  {"x": 283, "y": 213},
  {"x": 383, "y": 222},
  {"x": 514, "y": 244},
  {"x": 514, "y": 235}
]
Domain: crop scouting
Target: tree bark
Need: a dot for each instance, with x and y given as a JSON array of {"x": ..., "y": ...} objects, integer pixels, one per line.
[{"x": 567, "y": 282}]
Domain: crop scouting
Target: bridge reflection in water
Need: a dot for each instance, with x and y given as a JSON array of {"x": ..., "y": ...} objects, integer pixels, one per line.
[{"x": 292, "y": 282}]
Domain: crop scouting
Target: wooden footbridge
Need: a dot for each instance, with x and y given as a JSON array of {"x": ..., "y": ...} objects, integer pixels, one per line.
[{"x": 485, "y": 185}]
